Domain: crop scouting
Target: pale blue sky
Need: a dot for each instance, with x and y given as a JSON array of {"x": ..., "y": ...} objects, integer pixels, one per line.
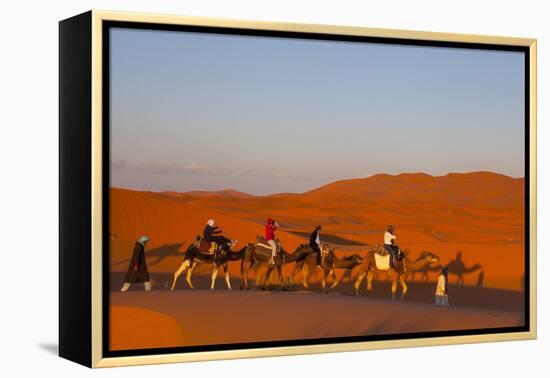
[{"x": 193, "y": 111}]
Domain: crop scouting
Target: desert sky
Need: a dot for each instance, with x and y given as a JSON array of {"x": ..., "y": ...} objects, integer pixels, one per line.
[{"x": 267, "y": 115}]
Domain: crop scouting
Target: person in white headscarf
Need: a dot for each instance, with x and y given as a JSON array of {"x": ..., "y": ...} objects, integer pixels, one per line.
[
  {"x": 441, "y": 290},
  {"x": 137, "y": 269}
]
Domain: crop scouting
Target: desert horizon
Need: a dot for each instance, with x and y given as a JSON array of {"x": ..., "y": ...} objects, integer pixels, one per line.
[{"x": 230, "y": 191}]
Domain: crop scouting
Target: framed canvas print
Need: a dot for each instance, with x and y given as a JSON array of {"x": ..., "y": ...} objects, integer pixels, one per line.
[{"x": 235, "y": 189}]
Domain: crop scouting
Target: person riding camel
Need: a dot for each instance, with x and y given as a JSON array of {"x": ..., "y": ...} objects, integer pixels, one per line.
[
  {"x": 315, "y": 244},
  {"x": 211, "y": 234},
  {"x": 270, "y": 228},
  {"x": 389, "y": 244}
]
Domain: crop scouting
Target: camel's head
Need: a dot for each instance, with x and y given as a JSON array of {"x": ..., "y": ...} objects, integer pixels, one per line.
[
  {"x": 354, "y": 258},
  {"x": 325, "y": 249}
]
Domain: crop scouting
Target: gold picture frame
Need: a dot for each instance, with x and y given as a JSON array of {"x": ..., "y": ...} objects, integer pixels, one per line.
[{"x": 90, "y": 26}]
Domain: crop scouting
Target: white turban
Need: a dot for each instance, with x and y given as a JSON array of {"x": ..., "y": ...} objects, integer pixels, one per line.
[
  {"x": 210, "y": 222},
  {"x": 144, "y": 239}
]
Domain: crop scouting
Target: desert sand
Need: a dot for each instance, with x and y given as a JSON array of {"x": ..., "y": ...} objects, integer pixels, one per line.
[
  {"x": 204, "y": 317},
  {"x": 474, "y": 221}
]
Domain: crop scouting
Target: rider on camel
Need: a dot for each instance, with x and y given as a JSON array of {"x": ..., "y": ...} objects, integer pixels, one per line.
[
  {"x": 315, "y": 243},
  {"x": 389, "y": 243},
  {"x": 211, "y": 234},
  {"x": 270, "y": 228}
]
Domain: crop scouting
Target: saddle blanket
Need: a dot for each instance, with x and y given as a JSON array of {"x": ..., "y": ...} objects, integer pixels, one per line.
[
  {"x": 382, "y": 262},
  {"x": 264, "y": 245}
]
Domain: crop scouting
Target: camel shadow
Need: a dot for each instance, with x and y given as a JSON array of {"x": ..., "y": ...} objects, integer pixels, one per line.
[
  {"x": 156, "y": 255},
  {"x": 457, "y": 268}
]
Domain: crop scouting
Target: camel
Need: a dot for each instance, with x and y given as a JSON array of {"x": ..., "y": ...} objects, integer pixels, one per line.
[
  {"x": 194, "y": 257},
  {"x": 329, "y": 262},
  {"x": 347, "y": 263},
  {"x": 398, "y": 273},
  {"x": 259, "y": 253}
]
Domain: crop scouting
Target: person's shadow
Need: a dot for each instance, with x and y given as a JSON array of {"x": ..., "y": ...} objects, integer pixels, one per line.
[{"x": 480, "y": 279}]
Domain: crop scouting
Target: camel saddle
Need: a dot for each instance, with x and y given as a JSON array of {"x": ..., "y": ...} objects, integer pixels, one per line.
[
  {"x": 261, "y": 242},
  {"x": 382, "y": 262},
  {"x": 208, "y": 248}
]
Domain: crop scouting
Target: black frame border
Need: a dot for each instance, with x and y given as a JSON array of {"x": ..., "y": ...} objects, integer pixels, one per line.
[{"x": 107, "y": 25}]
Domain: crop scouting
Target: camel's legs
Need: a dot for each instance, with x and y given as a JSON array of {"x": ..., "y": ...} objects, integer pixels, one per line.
[
  {"x": 247, "y": 268},
  {"x": 298, "y": 266},
  {"x": 266, "y": 277},
  {"x": 281, "y": 277},
  {"x": 244, "y": 275},
  {"x": 244, "y": 279},
  {"x": 404, "y": 287},
  {"x": 259, "y": 278},
  {"x": 292, "y": 276},
  {"x": 227, "y": 280},
  {"x": 370, "y": 276},
  {"x": 190, "y": 274},
  {"x": 357, "y": 284},
  {"x": 179, "y": 272},
  {"x": 214, "y": 275},
  {"x": 324, "y": 281},
  {"x": 305, "y": 276},
  {"x": 394, "y": 286},
  {"x": 335, "y": 279}
]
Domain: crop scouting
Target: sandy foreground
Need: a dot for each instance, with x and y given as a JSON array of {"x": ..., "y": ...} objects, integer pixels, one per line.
[{"x": 202, "y": 317}]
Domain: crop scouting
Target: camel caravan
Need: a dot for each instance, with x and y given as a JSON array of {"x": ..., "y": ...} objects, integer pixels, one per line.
[{"x": 217, "y": 251}]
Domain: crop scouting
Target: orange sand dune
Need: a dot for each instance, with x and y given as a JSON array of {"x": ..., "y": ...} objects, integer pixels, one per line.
[
  {"x": 132, "y": 326},
  {"x": 480, "y": 214},
  {"x": 205, "y": 317}
]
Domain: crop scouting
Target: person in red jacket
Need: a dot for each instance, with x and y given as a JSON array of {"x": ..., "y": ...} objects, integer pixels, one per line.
[{"x": 270, "y": 228}]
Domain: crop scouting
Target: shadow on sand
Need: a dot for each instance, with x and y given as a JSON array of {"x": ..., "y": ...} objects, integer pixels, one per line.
[
  {"x": 459, "y": 295},
  {"x": 155, "y": 255},
  {"x": 457, "y": 270}
]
